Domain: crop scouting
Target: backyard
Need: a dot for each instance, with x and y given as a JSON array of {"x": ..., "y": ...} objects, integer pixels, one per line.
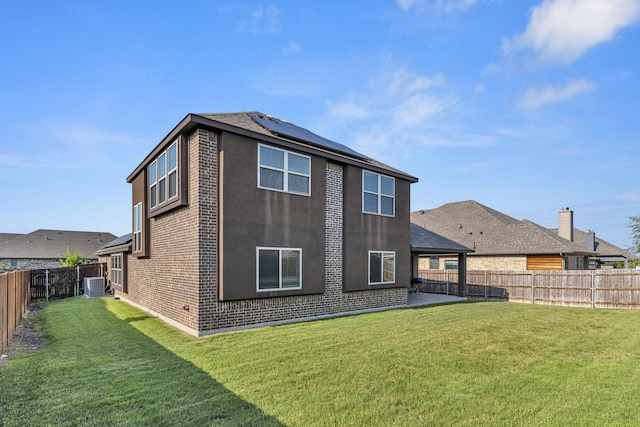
[{"x": 103, "y": 362}]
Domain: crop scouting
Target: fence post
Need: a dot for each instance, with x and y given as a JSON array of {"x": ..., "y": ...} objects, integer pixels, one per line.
[
  {"x": 77, "y": 289},
  {"x": 46, "y": 283},
  {"x": 486, "y": 284},
  {"x": 533, "y": 287},
  {"x": 446, "y": 279},
  {"x": 593, "y": 289}
]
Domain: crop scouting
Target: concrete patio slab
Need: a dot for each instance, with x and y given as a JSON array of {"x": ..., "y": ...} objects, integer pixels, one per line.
[{"x": 418, "y": 299}]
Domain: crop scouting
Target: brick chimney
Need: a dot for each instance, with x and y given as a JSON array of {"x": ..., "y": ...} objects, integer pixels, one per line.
[
  {"x": 565, "y": 224},
  {"x": 591, "y": 240}
]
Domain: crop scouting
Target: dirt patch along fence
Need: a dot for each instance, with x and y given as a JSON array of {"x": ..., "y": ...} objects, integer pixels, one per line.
[
  {"x": 577, "y": 288},
  {"x": 14, "y": 299}
]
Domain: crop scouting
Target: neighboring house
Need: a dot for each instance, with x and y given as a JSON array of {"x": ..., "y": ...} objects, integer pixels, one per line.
[
  {"x": 45, "y": 248},
  {"x": 243, "y": 219},
  {"x": 605, "y": 251},
  {"x": 501, "y": 242}
]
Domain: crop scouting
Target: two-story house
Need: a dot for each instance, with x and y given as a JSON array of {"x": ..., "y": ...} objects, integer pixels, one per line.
[{"x": 244, "y": 219}]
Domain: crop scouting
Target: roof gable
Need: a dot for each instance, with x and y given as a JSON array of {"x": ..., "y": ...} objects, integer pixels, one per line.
[{"x": 243, "y": 123}]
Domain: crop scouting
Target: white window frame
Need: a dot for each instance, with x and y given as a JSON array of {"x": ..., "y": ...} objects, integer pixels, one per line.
[
  {"x": 285, "y": 171},
  {"x": 382, "y": 256},
  {"x": 280, "y": 251},
  {"x": 137, "y": 228},
  {"x": 378, "y": 194},
  {"x": 161, "y": 182},
  {"x": 116, "y": 269}
]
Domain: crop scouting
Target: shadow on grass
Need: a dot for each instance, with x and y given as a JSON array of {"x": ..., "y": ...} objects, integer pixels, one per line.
[{"x": 100, "y": 370}]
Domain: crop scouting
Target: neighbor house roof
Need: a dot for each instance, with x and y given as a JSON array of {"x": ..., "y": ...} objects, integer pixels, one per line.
[
  {"x": 280, "y": 132},
  {"x": 53, "y": 244},
  {"x": 603, "y": 248},
  {"x": 489, "y": 232},
  {"x": 8, "y": 236}
]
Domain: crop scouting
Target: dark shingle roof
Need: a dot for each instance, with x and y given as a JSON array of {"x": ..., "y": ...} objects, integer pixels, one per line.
[
  {"x": 4, "y": 237},
  {"x": 53, "y": 244},
  {"x": 242, "y": 123},
  {"x": 490, "y": 232},
  {"x": 121, "y": 244},
  {"x": 603, "y": 248},
  {"x": 425, "y": 241}
]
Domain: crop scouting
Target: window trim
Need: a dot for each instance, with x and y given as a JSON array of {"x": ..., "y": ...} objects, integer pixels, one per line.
[
  {"x": 285, "y": 171},
  {"x": 382, "y": 281},
  {"x": 117, "y": 269},
  {"x": 280, "y": 250},
  {"x": 379, "y": 194},
  {"x": 154, "y": 187},
  {"x": 137, "y": 228}
]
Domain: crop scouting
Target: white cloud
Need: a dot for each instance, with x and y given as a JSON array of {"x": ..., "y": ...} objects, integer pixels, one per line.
[
  {"x": 261, "y": 21},
  {"x": 563, "y": 30},
  {"x": 404, "y": 82},
  {"x": 631, "y": 195},
  {"x": 447, "y": 6},
  {"x": 349, "y": 110},
  {"x": 399, "y": 112},
  {"x": 537, "y": 97},
  {"x": 402, "y": 96},
  {"x": 291, "y": 48},
  {"x": 417, "y": 110}
]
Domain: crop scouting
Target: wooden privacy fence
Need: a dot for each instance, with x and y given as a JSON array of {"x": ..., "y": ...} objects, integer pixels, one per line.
[
  {"x": 14, "y": 298},
  {"x": 579, "y": 288},
  {"x": 64, "y": 282}
]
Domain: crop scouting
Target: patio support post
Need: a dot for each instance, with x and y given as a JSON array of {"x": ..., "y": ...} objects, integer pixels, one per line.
[{"x": 462, "y": 274}]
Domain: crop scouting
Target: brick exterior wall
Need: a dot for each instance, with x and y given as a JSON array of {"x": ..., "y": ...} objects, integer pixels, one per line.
[
  {"x": 183, "y": 265},
  {"x": 169, "y": 280},
  {"x": 498, "y": 263}
]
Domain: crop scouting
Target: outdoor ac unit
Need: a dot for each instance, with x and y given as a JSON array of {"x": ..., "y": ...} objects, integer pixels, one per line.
[{"x": 93, "y": 287}]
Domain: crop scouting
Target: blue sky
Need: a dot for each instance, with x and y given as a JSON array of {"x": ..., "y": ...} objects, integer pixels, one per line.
[{"x": 524, "y": 106}]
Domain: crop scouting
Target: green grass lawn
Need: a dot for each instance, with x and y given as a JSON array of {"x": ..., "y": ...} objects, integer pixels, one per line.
[{"x": 106, "y": 363}]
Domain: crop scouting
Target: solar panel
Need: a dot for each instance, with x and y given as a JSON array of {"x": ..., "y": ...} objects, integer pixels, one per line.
[{"x": 289, "y": 130}]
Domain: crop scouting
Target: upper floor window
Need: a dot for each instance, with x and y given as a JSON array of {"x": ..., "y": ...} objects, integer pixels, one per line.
[
  {"x": 279, "y": 269},
  {"x": 163, "y": 177},
  {"x": 378, "y": 194},
  {"x": 283, "y": 170},
  {"x": 382, "y": 267},
  {"x": 137, "y": 228}
]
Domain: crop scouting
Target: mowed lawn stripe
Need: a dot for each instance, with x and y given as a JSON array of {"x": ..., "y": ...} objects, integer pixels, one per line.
[{"x": 459, "y": 364}]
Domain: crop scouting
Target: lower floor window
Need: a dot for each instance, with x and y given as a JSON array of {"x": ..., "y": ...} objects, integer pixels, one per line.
[
  {"x": 434, "y": 263},
  {"x": 116, "y": 269},
  {"x": 451, "y": 265},
  {"x": 279, "y": 268},
  {"x": 382, "y": 267}
]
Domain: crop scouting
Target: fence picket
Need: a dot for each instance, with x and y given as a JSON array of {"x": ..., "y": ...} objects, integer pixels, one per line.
[
  {"x": 19, "y": 288},
  {"x": 579, "y": 288}
]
